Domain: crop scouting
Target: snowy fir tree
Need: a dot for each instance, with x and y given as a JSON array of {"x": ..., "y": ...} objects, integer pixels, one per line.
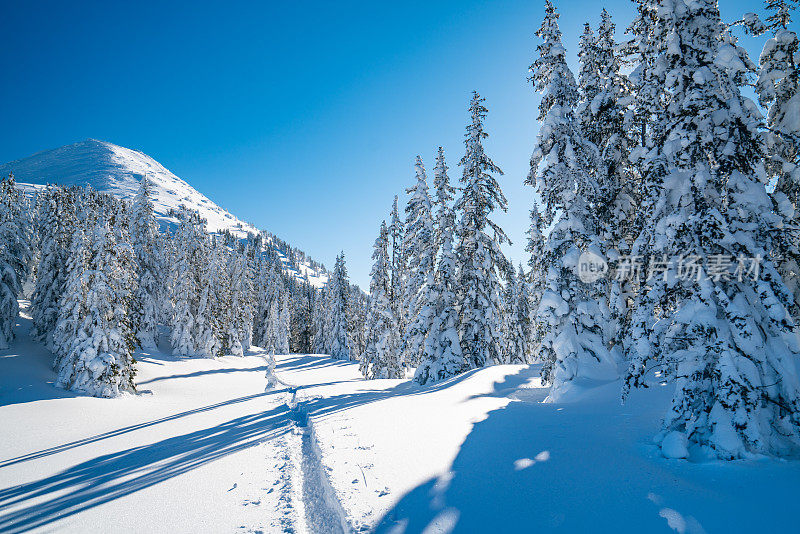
[
  {"x": 479, "y": 258},
  {"x": 536, "y": 246},
  {"x": 339, "y": 293},
  {"x": 55, "y": 226},
  {"x": 442, "y": 356},
  {"x": 709, "y": 321},
  {"x": 398, "y": 262},
  {"x": 92, "y": 336},
  {"x": 185, "y": 291},
  {"x": 563, "y": 166},
  {"x": 13, "y": 257},
  {"x": 146, "y": 311},
  {"x": 320, "y": 320},
  {"x": 518, "y": 318},
  {"x": 357, "y": 304},
  {"x": 381, "y": 357},
  {"x": 418, "y": 245},
  {"x": 282, "y": 324},
  {"x": 778, "y": 87}
]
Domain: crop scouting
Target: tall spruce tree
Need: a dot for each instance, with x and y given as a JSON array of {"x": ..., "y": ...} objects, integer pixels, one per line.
[
  {"x": 381, "y": 357},
  {"x": 340, "y": 292},
  {"x": 419, "y": 247},
  {"x": 185, "y": 291},
  {"x": 562, "y": 170},
  {"x": 92, "y": 336},
  {"x": 13, "y": 257},
  {"x": 442, "y": 356},
  {"x": 778, "y": 87},
  {"x": 147, "y": 305},
  {"x": 709, "y": 321},
  {"x": 479, "y": 258}
]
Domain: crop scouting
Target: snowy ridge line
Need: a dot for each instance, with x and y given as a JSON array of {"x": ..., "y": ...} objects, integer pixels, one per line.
[{"x": 322, "y": 511}]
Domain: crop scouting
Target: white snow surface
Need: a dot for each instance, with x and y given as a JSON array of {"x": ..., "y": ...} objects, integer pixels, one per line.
[
  {"x": 205, "y": 448},
  {"x": 118, "y": 170}
]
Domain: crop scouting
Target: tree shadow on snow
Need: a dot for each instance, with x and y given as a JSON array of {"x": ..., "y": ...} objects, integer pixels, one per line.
[
  {"x": 26, "y": 370},
  {"x": 111, "y": 476},
  {"x": 586, "y": 467}
]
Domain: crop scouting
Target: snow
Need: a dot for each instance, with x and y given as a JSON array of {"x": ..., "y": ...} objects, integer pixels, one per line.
[
  {"x": 674, "y": 445},
  {"x": 205, "y": 448},
  {"x": 191, "y": 453},
  {"x": 484, "y": 453},
  {"x": 118, "y": 170}
]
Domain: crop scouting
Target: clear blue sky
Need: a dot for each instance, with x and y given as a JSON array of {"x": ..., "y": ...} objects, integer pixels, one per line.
[{"x": 303, "y": 118}]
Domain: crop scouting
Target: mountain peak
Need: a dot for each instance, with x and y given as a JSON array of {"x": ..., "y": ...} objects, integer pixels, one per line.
[{"x": 118, "y": 170}]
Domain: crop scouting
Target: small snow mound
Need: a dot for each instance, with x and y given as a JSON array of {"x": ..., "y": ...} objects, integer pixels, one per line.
[{"x": 674, "y": 445}]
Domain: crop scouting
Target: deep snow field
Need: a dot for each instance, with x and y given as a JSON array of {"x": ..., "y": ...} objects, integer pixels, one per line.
[{"x": 204, "y": 448}]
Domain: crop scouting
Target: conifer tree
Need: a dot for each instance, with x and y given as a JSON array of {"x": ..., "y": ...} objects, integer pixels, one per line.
[
  {"x": 381, "y": 357},
  {"x": 420, "y": 264},
  {"x": 778, "y": 87},
  {"x": 723, "y": 331},
  {"x": 144, "y": 237},
  {"x": 536, "y": 246},
  {"x": 13, "y": 257},
  {"x": 562, "y": 167},
  {"x": 398, "y": 270},
  {"x": 442, "y": 356},
  {"x": 185, "y": 292},
  {"x": 321, "y": 308},
  {"x": 56, "y": 224},
  {"x": 282, "y": 328},
  {"x": 479, "y": 258},
  {"x": 92, "y": 338},
  {"x": 340, "y": 292}
]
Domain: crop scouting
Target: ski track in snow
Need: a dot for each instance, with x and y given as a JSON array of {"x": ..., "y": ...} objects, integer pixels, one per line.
[{"x": 313, "y": 506}]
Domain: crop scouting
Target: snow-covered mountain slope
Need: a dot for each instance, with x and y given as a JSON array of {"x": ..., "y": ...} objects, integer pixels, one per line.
[{"x": 118, "y": 170}]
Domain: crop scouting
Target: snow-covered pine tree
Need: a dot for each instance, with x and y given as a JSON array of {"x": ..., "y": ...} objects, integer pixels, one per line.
[
  {"x": 589, "y": 82},
  {"x": 517, "y": 318},
  {"x": 511, "y": 334},
  {"x": 320, "y": 322},
  {"x": 381, "y": 357},
  {"x": 616, "y": 202},
  {"x": 357, "y": 315},
  {"x": 536, "y": 246},
  {"x": 442, "y": 357},
  {"x": 213, "y": 315},
  {"x": 185, "y": 292},
  {"x": 418, "y": 245},
  {"x": 282, "y": 324},
  {"x": 261, "y": 288},
  {"x": 562, "y": 170},
  {"x": 711, "y": 322},
  {"x": 239, "y": 304},
  {"x": 303, "y": 319},
  {"x": 778, "y": 89},
  {"x": 398, "y": 270},
  {"x": 92, "y": 338},
  {"x": 147, "y": 304},
  {"x": 522, "y": 310},
  {"x": 56, "y": 223},
  {"x": 340, "y": 292},
  {"x": 13, "y": 257},
  {"x": 479, "y": 258}
]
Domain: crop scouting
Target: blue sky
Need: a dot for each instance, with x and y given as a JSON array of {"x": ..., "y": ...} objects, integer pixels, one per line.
[{"x": 303, "y": 118}]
